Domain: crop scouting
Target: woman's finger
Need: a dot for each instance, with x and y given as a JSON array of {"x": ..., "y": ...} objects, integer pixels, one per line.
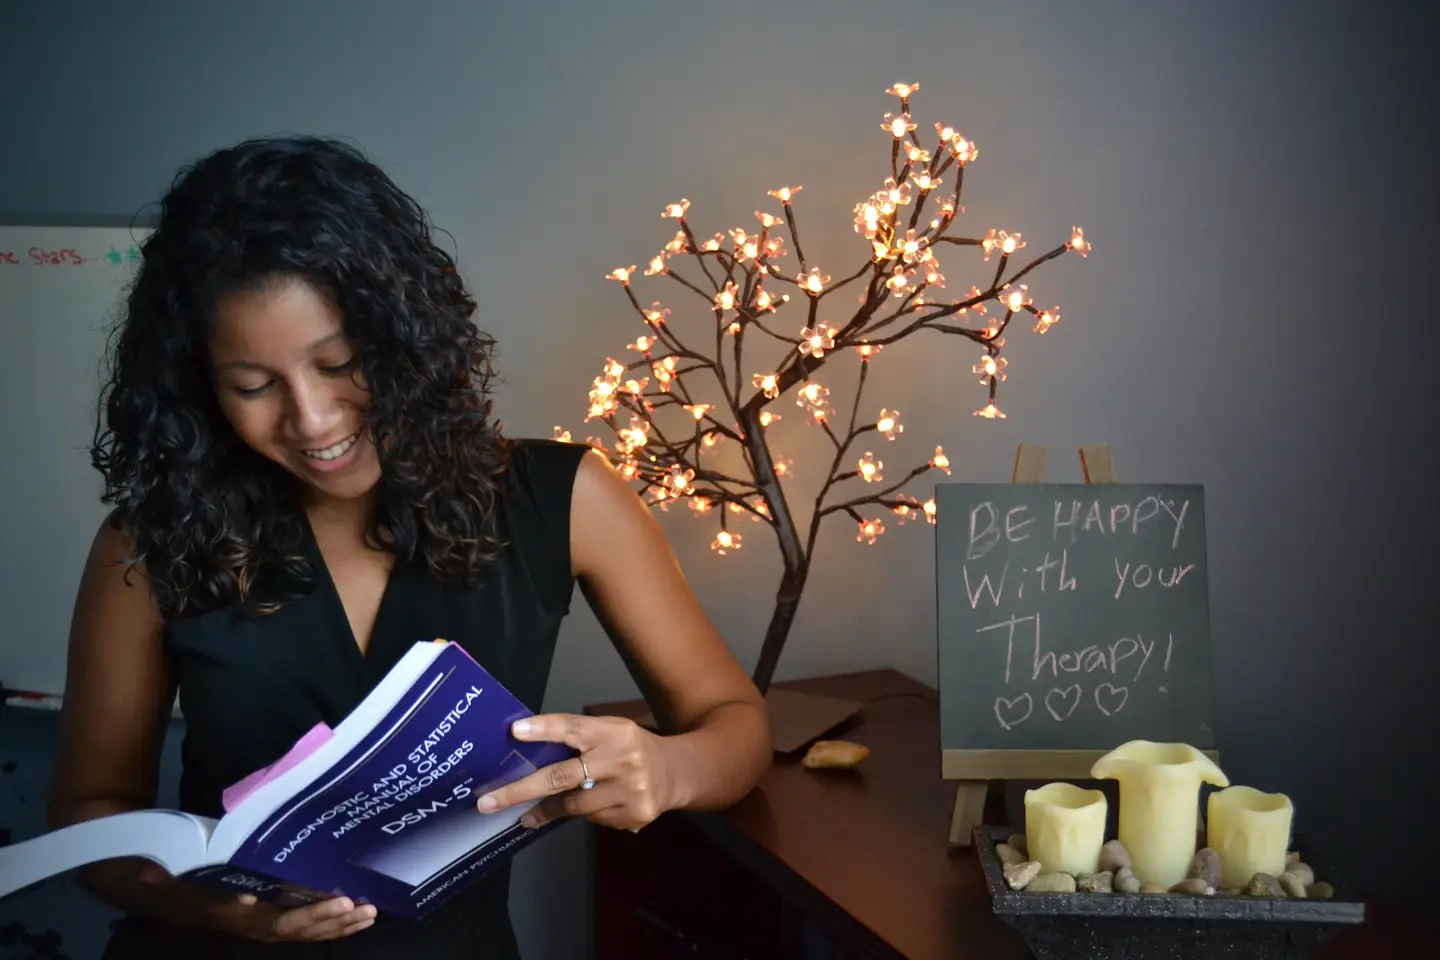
[
  {"x": 356, "y": 927},
  {"x": 294, "y": 923},
  {"x": 153, "y": 873},
  {"x": 341, "y": 926},
  {"x": 548, "y": 781},
  {"x": 574, "y": 803},
  {"x": 574, "y": 730},
  {"x": 353, "y": 929}
]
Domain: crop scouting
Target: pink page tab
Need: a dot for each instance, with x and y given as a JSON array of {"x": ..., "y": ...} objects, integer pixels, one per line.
[{"x": 235, "y": 794}]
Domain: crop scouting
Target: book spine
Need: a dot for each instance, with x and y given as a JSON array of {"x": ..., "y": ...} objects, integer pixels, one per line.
[{"x": 239, "y": 880}]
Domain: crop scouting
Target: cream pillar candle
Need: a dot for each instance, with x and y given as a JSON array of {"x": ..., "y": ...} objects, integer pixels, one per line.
[
  {"x": 1250, "y": 830},
  {"x": 1159, "y": 804},
  {"x": 1065, "y": 827}
]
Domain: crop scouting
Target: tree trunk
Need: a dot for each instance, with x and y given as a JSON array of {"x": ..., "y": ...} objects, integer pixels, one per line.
[
  {"x": 792, "y": 553},
  {"x": 787, "y": 604}
]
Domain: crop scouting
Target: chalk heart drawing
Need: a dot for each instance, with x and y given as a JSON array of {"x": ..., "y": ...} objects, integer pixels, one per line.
[
  {"x": 1110, "y": 698},
  {"x": 1062, "y": 703},
  {"x": 1012, "y": 713}
]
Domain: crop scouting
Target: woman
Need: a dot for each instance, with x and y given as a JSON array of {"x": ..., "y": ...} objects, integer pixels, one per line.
[{"x": 297, "y": 441}]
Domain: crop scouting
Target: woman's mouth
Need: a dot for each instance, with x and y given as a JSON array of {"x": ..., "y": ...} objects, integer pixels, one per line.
[{"x": 335, "y": 456}]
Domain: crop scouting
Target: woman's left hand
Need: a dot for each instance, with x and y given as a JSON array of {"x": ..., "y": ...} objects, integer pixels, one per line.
[{"x": 621, "y": 778}]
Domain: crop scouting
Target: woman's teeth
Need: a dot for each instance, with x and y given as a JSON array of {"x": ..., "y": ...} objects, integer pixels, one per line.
[{"x": 332, "y": 453}]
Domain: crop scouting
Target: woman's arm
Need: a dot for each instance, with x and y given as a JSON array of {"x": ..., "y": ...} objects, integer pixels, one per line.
[
  {"x": 719, "y": 734},
  {"x": 118, "y": 693}
]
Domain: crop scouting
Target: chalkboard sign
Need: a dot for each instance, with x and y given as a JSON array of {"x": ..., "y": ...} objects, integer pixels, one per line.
[{"x": 1072, "y": 616}]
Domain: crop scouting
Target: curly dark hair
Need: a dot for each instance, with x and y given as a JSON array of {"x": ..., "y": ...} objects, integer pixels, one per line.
[{"x": 207, "y": 515}]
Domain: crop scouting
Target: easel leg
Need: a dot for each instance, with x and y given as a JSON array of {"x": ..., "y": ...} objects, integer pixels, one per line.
[
  {"x": 1098, "y": 464},
  {"x": 1029, "y": 464},
  {"x": 969, "y": 812}
]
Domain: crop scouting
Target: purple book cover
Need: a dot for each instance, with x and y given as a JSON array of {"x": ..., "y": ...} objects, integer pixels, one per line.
[{"x": 394, "y": 823}]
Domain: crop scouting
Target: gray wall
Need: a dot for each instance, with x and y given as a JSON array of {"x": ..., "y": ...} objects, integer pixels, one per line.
[{"x": 1255, "y": 178}]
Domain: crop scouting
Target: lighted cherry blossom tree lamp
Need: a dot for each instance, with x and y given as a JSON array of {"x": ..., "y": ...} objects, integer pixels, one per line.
[{"x": 675, "y": 405}]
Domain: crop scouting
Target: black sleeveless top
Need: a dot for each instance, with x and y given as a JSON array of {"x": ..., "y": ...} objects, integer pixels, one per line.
[{"x": 250, "y": 687}]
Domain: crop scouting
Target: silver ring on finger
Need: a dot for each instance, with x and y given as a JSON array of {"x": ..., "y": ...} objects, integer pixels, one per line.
[{"x": 587, "y": 783}]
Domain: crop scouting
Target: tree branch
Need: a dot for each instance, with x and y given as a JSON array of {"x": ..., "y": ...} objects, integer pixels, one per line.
[
  {"x": 899, "y": 246},
  {"x": 876, "y": 497}
]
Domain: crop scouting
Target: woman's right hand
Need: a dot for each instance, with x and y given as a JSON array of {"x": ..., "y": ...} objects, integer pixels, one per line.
[
  {"x": 245, "y": 916},
  {"x": 325, "y": 920}
]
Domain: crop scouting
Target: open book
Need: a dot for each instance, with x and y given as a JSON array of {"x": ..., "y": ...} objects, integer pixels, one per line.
[{"x": 381, "y": 809}]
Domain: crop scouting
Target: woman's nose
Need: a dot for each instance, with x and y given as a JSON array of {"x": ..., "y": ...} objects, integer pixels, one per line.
[{"x": 315, "y": 415}]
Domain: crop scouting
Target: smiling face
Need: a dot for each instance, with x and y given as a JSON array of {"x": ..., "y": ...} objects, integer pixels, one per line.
[{"x": 290, "y": 384}]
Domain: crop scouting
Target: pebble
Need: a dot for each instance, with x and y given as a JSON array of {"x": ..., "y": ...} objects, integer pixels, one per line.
[
  {"x": 1206, "y": 866},
  {"x": 1008, "y": 854},
  {"x": 1264, "y": 885},
  {"x": 1292, "y": 886},
  {"x": 1019, "y": 875},
  {"x": 1113, "y": 856},
  {"x": 1301, "y": 871},
  {"x": 1116, "y": 875},
  {"x": 1193, "y": 885},
  {"x": 1052, "y": 883}
]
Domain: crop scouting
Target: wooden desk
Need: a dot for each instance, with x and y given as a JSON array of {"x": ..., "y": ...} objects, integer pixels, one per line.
[{"x": 855, "y": 858}]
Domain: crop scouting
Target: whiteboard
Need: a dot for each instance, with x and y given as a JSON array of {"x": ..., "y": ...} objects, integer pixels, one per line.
[{"x": 60, "y": 288}]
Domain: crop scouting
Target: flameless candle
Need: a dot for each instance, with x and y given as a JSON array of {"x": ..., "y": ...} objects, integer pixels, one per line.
[
  {"x": 1159, "y": 804},
  {"x": 1065, "y": 827},
  {"x": 1250, "y": 830}
]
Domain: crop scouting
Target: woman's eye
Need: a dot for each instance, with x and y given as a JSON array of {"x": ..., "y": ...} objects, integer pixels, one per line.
[
  {"x": 252, "y": 391},
  {"x": 337, "y": 368}
]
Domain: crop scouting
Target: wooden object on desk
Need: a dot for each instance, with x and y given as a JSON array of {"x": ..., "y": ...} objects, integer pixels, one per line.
[{"x": 852, "y": 855}]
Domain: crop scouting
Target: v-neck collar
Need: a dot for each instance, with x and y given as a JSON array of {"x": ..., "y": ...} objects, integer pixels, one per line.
[{"x": 376, "y": 652}]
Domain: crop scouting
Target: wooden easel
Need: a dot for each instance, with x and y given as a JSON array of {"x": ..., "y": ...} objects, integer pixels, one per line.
[{"x": 984, "y": 769}]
